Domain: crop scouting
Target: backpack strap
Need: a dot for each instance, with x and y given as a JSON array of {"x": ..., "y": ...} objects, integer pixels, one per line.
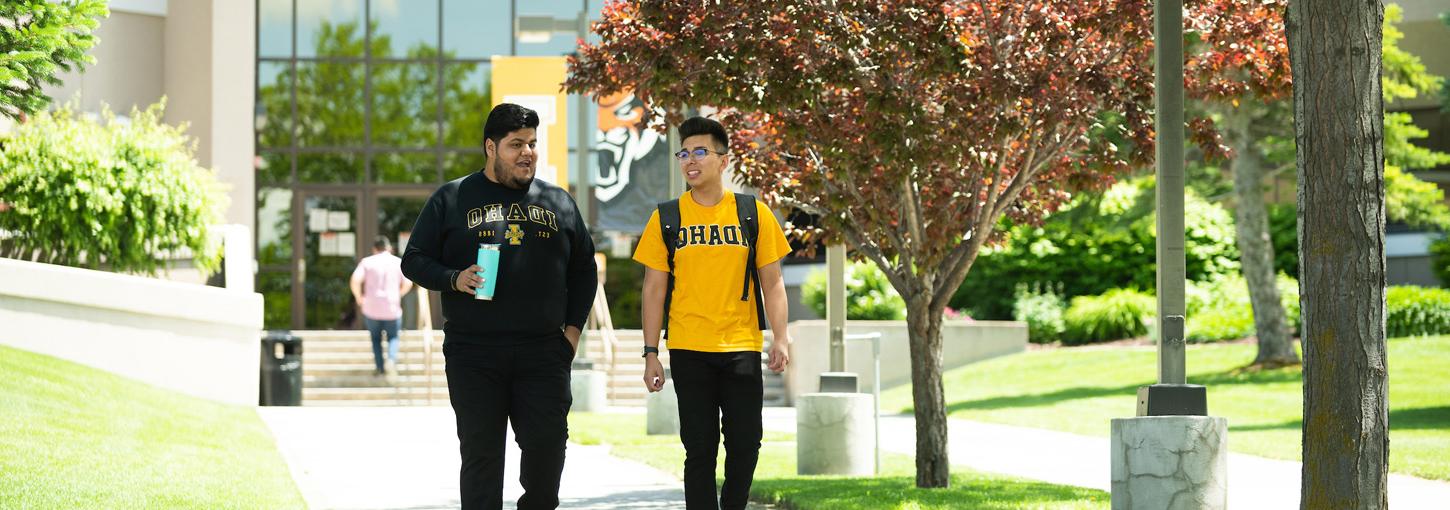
[
  {"x": 669, "y": 212},
  {"x": 746, "y": 213}
]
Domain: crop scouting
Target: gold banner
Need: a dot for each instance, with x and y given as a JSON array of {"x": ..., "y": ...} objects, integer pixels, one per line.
[{"x": 534, "y": 83}]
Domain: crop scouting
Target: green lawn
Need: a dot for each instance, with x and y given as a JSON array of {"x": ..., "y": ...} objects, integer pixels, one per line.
[
  {"x": 76, "y": 437},
  {"x": 777, "y": 483},
  {"x": 1079, "y": 390}
]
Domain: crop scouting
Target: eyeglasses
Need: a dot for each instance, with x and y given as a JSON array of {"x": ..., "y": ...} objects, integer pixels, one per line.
[{"x": 697, "y": 154}]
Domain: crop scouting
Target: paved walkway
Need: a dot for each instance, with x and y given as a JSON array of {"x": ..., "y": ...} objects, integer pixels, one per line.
[
  {"x": 407, "y": 458},
  {"x": 1083, "y": 461}
]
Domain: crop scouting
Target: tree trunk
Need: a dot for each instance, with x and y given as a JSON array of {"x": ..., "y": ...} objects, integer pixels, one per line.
[
  {"x": 1334, "y": 51},
  {"x": 933, "y": 470},
  {"x": 1256, "y": 251}
]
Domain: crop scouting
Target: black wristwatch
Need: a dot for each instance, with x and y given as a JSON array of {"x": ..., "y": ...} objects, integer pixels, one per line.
[{"x": 648, "y": 350}]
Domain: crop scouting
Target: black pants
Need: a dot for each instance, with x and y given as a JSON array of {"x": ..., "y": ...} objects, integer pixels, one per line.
[
  {"x": 718, "y": 390},
  {"x": 527, "y": 384}
]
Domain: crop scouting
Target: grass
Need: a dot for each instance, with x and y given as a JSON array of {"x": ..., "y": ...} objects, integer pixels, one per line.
[
  {"x": 1080, "y": 390},
  {"x": 776, "y": 481},
  {"x": 76, "y": 437}
]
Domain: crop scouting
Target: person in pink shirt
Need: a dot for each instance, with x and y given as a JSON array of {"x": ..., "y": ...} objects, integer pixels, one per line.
[{"x": 378, "y": 286}]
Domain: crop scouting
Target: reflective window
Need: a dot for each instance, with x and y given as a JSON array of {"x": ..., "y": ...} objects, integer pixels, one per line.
[
  {"x": 327, "y": 168},
  {"x": 405, "y": 167},
  {"x": 404, "y": 28},
  {"x": 405, "y": 104},
  {"x": 276, "y": 290},
  {"x": 274, "y": 226},
  {"x": 273, "y": 112},
  {"x": 274, "y": 167},
  {"x": 274, "y": 28},
  {"x": 330, "y": 28},
  {"x": 329, "y": 104},
  {"x": 459, "y": 164},
  {"x": 477, "y": 29},
  {"x": 466, "y": 101}
]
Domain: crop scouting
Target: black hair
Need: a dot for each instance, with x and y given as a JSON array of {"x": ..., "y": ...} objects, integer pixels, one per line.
[
  {"x": 703, "y": 126},
  {"x": 507, "y": 118},
  {"x": 382, "y": 243}
]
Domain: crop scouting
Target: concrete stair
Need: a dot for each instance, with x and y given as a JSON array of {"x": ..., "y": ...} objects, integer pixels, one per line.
[{"x": 337, "y": 370}]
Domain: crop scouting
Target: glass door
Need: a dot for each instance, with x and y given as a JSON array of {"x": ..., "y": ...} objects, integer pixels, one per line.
[
  {"x": 395, "y": 212},
  {"x": 331, "y": 245}
]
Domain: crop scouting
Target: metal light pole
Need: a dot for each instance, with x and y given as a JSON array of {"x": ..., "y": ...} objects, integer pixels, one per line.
[
  {"x": 1172, "y": 425},
  {"x": 677, "y": 183},
  {"x": 1171, "y": 396},
  {"x": 836, "y": 304},
  {"x": 539, "y": 29}
]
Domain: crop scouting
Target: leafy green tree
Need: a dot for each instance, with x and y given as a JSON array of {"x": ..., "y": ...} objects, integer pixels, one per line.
[
  {"x": 1404, "y": 76},
  {"x": 104, "y": 194},
  {"x": 1238, "y": 71},
  {"x": 39, "y": 39}
]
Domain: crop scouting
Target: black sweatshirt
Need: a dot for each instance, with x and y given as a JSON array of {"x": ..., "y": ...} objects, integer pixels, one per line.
[{"x": 547, "y": 275}]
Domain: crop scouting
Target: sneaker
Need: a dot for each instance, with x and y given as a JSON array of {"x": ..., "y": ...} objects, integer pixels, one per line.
[{"x": 391, "y": 371}]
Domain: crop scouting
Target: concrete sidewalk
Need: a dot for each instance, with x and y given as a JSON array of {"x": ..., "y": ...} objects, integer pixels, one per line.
[
  {"x": 407, "y": 458},
  {"x": 1083, "y": 461}
]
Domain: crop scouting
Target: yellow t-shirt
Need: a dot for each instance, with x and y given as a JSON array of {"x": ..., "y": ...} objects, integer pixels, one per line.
[{"x": 706, "y": 313}]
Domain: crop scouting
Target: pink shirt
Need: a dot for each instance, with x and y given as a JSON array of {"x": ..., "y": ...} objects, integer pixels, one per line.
[{"x": 382, "y": 277}]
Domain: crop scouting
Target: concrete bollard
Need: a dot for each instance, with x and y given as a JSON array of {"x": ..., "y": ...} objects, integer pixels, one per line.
[
  {"x": 587, "y": 387},
  {"x": 1170, "y": 462},
  {"x": 835, "y": 434},
  {"x": 663, "y": 411}
]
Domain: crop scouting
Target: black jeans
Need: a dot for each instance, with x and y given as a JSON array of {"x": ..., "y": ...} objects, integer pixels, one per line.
[
  {"x": 718, "y": 390},
  {"x": 527, "y": 384}
]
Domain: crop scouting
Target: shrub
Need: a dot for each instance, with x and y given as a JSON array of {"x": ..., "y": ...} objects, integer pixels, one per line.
[
  {"x": 1416, "y": 311},
  {"x": 1116, "y": 314},
  {"x": 869, "y": 295},
  {"x": 1096, "y": 243},
  {"x": 1041, "y": 308},
  {"x": 1440, "y": 258},
  {"x": 123, "y": 196},
  {"x": 1284, "y": 235},
  {"x": 623, "y": 282},
  {"x": 1221, "y": 309}
]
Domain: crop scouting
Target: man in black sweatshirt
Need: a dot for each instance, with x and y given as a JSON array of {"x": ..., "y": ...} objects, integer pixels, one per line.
[{"x": 507, "y": 358}]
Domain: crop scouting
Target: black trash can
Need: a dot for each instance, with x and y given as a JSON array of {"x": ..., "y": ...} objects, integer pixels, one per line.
[{"x": 281, "y": 369}]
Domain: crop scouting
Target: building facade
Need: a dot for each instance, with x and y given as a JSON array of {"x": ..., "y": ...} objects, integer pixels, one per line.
[{"x": 331, "y": 121}]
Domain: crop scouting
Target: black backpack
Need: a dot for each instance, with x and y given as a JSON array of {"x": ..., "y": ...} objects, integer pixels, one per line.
[{"x": 750, "y": 229}]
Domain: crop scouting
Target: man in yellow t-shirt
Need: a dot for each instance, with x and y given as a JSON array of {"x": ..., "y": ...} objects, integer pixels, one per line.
[{"x": 713, "y": 326}]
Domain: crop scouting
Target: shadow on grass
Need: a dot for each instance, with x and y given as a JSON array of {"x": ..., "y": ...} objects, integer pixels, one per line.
[
  {"x": 1420, "y": 418},
  {"x": 966, "y": 491},
  {"x": 1225, "y": 378}
]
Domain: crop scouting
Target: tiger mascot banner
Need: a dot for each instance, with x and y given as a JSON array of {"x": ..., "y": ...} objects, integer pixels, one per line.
[{"x": 633, "y": 171}]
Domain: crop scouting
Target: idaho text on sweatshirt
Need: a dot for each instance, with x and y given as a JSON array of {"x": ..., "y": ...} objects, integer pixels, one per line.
[{"x": 546, "y": 275}]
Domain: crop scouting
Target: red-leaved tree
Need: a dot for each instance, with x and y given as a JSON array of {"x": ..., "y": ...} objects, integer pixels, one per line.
[
  {"x": 911, "y": 127},
  {"x": 1238, "y": 69}
]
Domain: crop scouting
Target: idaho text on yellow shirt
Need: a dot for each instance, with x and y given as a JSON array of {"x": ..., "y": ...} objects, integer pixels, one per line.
[{"x": 706, "y": 313}]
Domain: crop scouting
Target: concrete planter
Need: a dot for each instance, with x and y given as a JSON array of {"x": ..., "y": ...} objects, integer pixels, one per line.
[{"x": 962, "y": 343}]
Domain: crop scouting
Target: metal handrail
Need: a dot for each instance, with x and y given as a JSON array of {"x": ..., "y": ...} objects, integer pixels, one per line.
[{"x": 603, "y": 322}]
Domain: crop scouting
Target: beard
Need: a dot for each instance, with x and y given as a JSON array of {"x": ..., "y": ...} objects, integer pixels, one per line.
[{"x": 508, "y": 179}]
